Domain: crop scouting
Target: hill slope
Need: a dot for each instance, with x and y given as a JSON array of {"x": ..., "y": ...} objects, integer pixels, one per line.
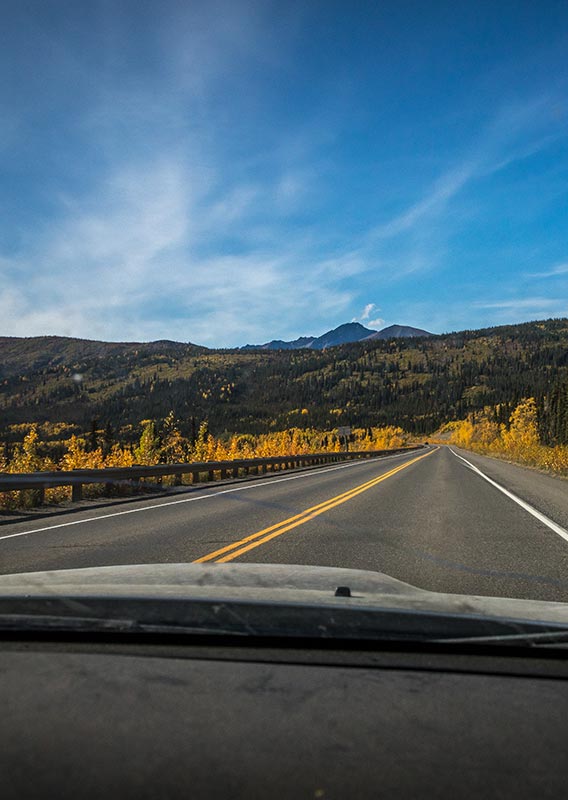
[{"x": 416, "y": 383}]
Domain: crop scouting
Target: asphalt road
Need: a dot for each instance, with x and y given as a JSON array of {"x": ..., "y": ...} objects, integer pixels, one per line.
[{"x": 427, "y": 517}]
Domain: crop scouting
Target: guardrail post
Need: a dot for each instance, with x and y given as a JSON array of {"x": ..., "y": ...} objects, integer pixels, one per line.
[
  {"x": 178, "y": 479},
  {"x": 39, "y": 496},
  {"x": 223, "y": 474},
  {"x": 76, "y": 492},
  {"x": 211, "y": 475}
]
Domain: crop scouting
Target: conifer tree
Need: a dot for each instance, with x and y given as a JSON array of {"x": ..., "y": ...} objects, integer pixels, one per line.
[
  {"x": 94, "y": 435},
  {"x": 108, "y": 439}
]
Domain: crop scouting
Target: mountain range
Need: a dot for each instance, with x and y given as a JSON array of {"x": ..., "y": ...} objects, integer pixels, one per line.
[
  {"x": 417, "y": 382},
  {"x": 344, "y": 334}
]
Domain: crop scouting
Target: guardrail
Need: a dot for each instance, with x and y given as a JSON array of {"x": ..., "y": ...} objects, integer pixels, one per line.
[{"x": 111, "y": 476}]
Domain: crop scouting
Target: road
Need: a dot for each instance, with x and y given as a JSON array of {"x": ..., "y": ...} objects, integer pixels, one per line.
[{"x": 425, "y": 517}]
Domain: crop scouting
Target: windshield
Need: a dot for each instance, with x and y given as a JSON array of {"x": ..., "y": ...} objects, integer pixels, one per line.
[{"x": 285, "y": 284}]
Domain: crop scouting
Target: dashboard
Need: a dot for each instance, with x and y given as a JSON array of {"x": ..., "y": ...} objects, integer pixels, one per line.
[{"x": 93, "y": 718}]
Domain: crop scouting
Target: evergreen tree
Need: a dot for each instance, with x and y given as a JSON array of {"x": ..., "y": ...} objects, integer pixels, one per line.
[
  {"x": 93, "y": 440},
  {"x": 108, "y": 438}
]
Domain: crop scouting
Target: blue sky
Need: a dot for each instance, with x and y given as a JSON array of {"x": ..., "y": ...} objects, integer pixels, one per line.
[{"x": 226, "y": 172}]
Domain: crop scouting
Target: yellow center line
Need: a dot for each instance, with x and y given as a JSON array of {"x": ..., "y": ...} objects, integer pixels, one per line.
[
  {"x": 346, "y": 494},
  {"x": 266, "y": 534}
]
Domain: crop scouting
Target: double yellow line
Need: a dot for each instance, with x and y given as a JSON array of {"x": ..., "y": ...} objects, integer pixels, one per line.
[{"x": 236, "y": 549}]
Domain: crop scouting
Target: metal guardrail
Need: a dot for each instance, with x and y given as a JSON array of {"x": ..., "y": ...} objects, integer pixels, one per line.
[{"x": 77, "y": 478}]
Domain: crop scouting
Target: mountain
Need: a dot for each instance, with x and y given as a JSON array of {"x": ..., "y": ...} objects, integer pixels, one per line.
[
  {"x": 398, "y": 332},
  {"x": 21, "y": 355},
  {"x": 415, "y": 382},
  {"x": 344, "y": 334},
  {"x": 280, "y": 344}
]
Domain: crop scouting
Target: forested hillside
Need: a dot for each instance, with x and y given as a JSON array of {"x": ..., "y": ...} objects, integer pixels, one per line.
[{"x": 418, "y": 384}]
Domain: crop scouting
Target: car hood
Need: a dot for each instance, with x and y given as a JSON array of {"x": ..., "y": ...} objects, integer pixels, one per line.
[{"x": 278, "y": 584}]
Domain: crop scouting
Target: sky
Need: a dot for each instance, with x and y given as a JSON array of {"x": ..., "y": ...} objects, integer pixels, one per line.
[{"x": 230, "y": 172}]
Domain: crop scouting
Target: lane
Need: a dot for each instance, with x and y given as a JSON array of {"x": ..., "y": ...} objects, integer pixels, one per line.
[
  {"x": 179, "y": 528},
  {"x": 547, "y": 493},
  {"x": 439, "y": 526},
  {"x": 238, "y": 548},
  {"x": 545, "y": 520}
]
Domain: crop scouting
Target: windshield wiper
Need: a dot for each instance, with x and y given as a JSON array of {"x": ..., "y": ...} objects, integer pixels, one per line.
[
  {"x": 528, "y": 638},
  {"x": 45, "y": 622},
  {"x": 268, "y": 620}
]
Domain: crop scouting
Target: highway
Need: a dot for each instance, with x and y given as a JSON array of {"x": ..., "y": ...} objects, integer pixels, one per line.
[{"x": 440, "y": 518}]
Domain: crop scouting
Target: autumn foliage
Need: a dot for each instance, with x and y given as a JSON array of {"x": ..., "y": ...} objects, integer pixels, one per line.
[
  {"x": 518, "y": 441},
  {"x": 162, "y": 443}
]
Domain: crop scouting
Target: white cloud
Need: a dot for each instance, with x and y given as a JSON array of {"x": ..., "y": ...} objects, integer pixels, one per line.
[
  {"x": 540, "y": 303},
  {"x": 516, "y": 132},
  {"x": 131, "y": 262},
  {"x": 142, "y": 255},
  {"x": 513, "y": 310},
  {"x": 172, "y": 242},
  {"x": 365, "y": 316},
  {"x": 365, "y": 313},
  {"x": 559, "y": 269},
  {"x": 435, "y": 200}
]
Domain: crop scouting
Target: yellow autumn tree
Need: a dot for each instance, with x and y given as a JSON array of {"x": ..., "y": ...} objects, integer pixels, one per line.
[
  {"x": 201, "y": 446},
  {"x": 521, "y": 439},
  {"x": 27, "y": 456},
  {"x": 119, "y": 457},
  {"x": 77, "y": 456},
  {"x": 174, "y": 448},
  {"x": 148, "y": 450}
]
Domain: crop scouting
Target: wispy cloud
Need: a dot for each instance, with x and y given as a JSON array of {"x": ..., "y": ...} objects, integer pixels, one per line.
[
  {"x": 177, "y": 234},
  {"x": 133, "y": 261},
  {"x": 540, "y": 303},
  {"x": 432, "y": 203},
  {"x": 366, "y": 312},
  {"x": 513, "y": 134},
  {"x": 513, "y": 310},
  {"x": 559, "y": 269},
  {"x": 365, "y": 316},
  {"x": 133, "y": 257}
]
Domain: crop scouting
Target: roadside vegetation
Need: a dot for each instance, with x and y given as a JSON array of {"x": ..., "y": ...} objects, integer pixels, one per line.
[
  {"x": 521, "y": 440},
  {"x": 162, "y": 443}
]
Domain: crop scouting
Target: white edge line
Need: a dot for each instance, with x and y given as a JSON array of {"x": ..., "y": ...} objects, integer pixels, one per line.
[
  {"x": 531, "y": 509},
  {"x": 254, "y": 485}
]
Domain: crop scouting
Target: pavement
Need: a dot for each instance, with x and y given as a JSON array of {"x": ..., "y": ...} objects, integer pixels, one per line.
[{"x": 441, "y": 519}]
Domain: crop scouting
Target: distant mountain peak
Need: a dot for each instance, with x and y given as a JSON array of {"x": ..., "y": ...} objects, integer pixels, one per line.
[
  {"x": 398, "y": 332},
  {"x": 343, "y": 334}
]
